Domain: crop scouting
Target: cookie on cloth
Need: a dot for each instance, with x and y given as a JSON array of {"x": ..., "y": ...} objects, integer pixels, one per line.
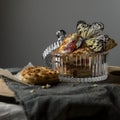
[
  {"x": 109, "y": 44},
  {"x": 38, "y": 75}
]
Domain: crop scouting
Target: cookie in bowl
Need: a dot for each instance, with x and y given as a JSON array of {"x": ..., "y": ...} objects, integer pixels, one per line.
[
  {"x": 82, "y": 56},
  {"x": 38, "y": 75}
]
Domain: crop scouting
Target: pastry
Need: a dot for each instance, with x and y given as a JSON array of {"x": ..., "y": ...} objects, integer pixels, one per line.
[
  {"x": 109, "y": 44},
  {"x": 69, "y": 44},
  {"x": 38, "y": 75}
]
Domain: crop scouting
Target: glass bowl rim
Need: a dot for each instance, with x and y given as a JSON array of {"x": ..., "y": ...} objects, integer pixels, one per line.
[{"x": 54, "y": 53}]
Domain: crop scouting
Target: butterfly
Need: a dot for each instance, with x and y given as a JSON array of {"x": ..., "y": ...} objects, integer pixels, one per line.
[
  {"x": 96, "y": 44},
  {"x": 91, "y": 34}
]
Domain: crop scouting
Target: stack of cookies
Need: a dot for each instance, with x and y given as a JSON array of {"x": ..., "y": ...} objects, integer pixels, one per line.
[{"x": 83, "y": 54}]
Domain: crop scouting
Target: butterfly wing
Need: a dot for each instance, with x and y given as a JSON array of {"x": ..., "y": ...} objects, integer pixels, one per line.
[
  {"x": 82, "y": 29},
  {"x": 96, "y": 44},
  {"x": 95, "y": 29}
]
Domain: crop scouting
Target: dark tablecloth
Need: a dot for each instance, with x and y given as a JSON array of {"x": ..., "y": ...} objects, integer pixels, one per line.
[{"x": 68, "y": 101}]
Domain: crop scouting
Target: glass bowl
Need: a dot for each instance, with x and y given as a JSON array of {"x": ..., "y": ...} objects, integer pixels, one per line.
[{"x": 81, "y": 67}]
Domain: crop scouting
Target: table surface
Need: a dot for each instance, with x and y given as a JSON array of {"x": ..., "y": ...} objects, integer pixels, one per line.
[
  {"x": 100, "y": 97},
  {"x": 5, "y": 91}
]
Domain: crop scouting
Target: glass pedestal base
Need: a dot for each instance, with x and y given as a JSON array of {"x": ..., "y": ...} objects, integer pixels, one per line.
[{"x": 82, "y": 80}]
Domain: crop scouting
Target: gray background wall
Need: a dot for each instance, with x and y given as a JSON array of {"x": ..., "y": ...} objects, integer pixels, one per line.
[{"x": 27, "y": 27}]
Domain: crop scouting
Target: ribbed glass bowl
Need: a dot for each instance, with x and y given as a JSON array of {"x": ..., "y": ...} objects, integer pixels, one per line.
[{"x": 81, "y": 67}]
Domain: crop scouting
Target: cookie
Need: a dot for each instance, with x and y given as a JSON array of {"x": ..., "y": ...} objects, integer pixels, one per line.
[
  {"x": 38, "y": 75},
  {"x": 69, "y": 44},
  {"x": 109, "y": 44},
  {"x": 80, "y": 51}
]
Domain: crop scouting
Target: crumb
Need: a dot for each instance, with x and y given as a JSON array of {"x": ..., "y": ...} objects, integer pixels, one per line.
[
  {"x": 48, "y": 85},
  {"x": 32, "y": 91}
]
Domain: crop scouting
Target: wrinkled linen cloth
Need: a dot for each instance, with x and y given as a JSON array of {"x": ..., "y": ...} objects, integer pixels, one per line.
[
  {"x": 69, "y": 101},
  {"x": 11, "y": 112}
]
